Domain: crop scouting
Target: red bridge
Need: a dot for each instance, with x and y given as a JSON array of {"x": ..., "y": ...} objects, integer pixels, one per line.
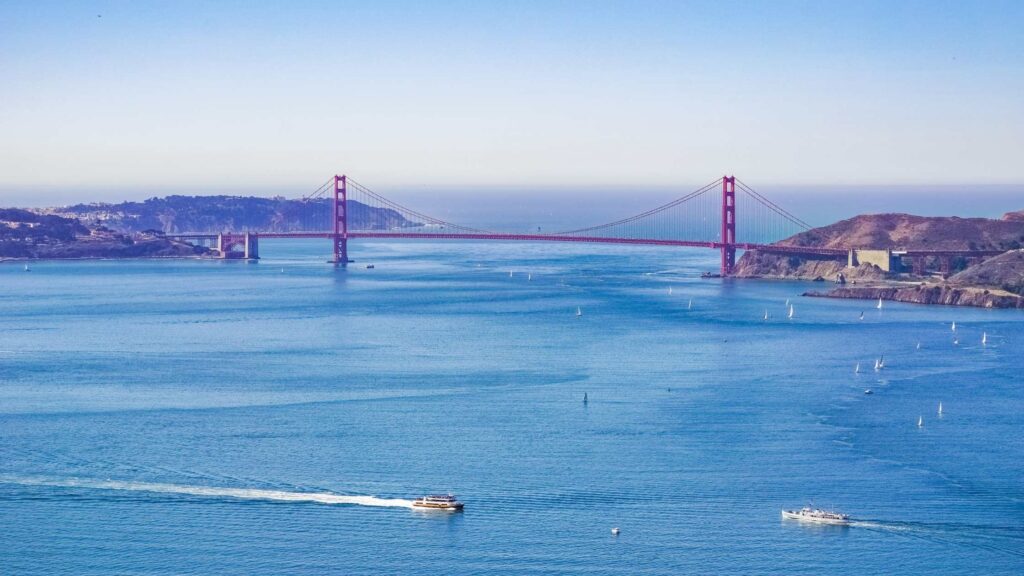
[{"x": 710, "y": 217}]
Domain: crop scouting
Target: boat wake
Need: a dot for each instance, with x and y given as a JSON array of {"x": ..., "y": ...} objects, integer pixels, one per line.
[
  {"x": 1000, "y": 539},
  {"x": 219, "y": 492}
]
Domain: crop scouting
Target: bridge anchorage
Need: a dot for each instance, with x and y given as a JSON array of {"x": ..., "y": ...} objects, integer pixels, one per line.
[{"x": 342, "y": 209}]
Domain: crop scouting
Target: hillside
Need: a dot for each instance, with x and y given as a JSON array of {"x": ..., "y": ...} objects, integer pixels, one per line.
[
  {"x": 213, "y": 214},
  {"x": 26, "y": 234},
  {"x": 906, "y": 231},
  {"x": 883, "y": 231},
  {"x": 1017, "y": 216},
  {"x": 1004, "y": 272},
  {"x": 997, "y": 282}
]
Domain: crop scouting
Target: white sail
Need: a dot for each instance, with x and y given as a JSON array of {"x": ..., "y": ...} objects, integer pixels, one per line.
[
  {"x": 984, "y": 338},
  {"x": 790, "y": 315},
  {"x": 856, "y": 369},
  {"x": 579, "y": 311},
  {"x": 918, "y": 345},
  {"x": 940, "y": 408},
  {"x": 689, "y": 305},
  {"x": 765, "y": 313},
  {"x": 920, "y": 421},
  {"x": 879, "y": 304},
  {"x": 861, "y": 316},
  {"x": 669, "y": 290},
  {"x": 953, "y": 327},
  {"x": 529, "y": 277}
]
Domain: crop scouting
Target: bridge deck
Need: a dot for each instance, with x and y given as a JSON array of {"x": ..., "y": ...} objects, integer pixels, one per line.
[{"x": 771, "y": 248}]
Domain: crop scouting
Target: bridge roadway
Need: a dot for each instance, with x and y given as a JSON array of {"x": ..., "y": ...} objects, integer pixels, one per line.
[
  {"x": 769, "y": 248},
  {"x": 556, "y": 238}
]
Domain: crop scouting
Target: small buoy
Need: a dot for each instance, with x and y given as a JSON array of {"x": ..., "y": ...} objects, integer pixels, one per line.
[{"x": 615, "y": 531}]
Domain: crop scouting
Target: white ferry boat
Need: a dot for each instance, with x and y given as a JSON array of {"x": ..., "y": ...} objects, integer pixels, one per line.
[
  {"x": 817, "y": 515},
  {"x": 438, "y": 502}
]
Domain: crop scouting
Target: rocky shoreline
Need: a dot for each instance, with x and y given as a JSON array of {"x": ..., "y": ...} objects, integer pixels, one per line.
[{"x": 927, "y": 294}]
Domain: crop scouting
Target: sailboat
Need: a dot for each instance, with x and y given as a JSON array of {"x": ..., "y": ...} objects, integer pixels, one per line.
[
  {"x": 920, "y": 421},
  {"x": 879, "y": 304},
  {"x": 956, "y": 341},
  {"x": 856, "y": 369},
  {"x": 584, "y": 397},
  {"x": 669, "y": 290},
  {"x": 953, "y": 327},
  {"x": 940, "y": 408},
  {"x": 509, "y": 273},
  {"x": 984, "y": 338},
  {"x": 766, "y": 314},
  {"x": 790, "y": 315},
  {"x": 27, "y": 269},
  {"x": 918, "y": 345},
  {"x": 861, "y": 315},
  {"x": 579, "y": 312},
  {"x": 689, "y": 305},
  {"x": 787, "y": 301},
  {"x": 529, "y": 277},
  {"x": 881, "y": 361}
]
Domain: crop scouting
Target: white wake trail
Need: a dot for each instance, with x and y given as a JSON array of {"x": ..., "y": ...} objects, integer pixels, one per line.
[{"x": 218, "y": 492}]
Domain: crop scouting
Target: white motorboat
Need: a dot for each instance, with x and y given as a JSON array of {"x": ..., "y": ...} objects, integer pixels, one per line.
[
  {"x": 807, "y": 514},
  {"x": 445, "y": 502}
]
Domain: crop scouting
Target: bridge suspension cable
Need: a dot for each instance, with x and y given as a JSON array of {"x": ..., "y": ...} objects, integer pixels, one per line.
[
  {"x": 419, "y": 221},
  {"x": 649, "y": 213},
  {"x": 773, "y": 206}
]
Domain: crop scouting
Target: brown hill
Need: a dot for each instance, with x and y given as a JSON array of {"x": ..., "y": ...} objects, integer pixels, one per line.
[
  {"x": 1004, "y": 272},
  {"x": 906, "y": 231},
  {"x": 1017, "y": 216},
  {"x": 881, "y": 231}
]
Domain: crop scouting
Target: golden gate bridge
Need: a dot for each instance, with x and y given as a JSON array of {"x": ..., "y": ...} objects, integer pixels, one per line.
[{"x": 724, "y": 215}]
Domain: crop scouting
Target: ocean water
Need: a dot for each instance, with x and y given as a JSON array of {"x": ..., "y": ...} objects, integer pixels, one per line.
[{"x": 199, "y": 417}]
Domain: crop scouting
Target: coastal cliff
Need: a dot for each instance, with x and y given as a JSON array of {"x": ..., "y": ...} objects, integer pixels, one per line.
[{"x": 996, "y": 282}]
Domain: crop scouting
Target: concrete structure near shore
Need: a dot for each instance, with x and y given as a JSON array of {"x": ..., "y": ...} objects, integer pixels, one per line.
[
  {"x": 886, "y": 260},
  {"x": 227, "y": 245}
]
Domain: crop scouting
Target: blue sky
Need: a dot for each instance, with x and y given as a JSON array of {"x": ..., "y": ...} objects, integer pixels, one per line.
[{"x": 213, "y": 95}]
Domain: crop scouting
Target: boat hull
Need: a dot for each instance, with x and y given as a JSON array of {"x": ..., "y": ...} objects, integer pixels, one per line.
[
  {"x": 443, "y": 508},
  {"x": 788, "y": 515}
]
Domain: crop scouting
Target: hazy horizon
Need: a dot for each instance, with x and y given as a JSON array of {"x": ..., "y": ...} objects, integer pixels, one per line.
[{"x": 507, "y": 206}]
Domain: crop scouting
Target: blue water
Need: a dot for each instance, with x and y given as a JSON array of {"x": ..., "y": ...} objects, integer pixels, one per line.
[{"x": 199, "y": 417}]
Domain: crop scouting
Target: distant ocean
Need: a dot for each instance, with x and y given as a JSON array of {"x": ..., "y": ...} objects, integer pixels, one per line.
[
  {"x": 200, "y": 417},
  {"x": 525, "y": 208}
]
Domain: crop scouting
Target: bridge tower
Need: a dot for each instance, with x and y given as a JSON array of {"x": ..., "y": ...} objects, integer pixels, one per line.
[
  {"x": 339, "y": 217},
  {"x": 728, "y": 225}
]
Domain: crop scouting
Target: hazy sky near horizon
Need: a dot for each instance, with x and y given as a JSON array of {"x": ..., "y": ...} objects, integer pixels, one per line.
[{"x": 192, "y": 95}]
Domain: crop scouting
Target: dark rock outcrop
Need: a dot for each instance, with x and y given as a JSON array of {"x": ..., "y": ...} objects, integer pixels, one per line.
[{"x": 930, "y": 294}]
